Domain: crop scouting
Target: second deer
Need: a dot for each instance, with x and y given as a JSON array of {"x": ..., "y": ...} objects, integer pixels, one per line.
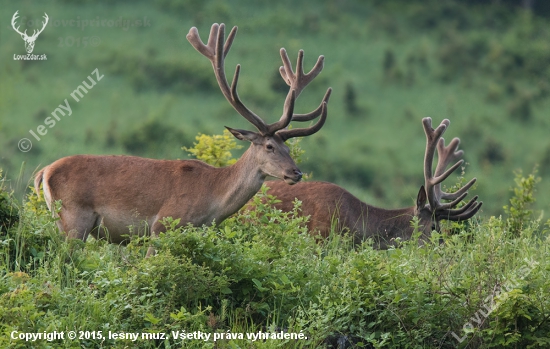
[{"x": 327, "y": 203}]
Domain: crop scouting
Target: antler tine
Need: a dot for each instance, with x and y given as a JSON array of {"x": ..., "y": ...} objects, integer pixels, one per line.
[
  {"x": 315, "y": 113},
  {"x": 446, "y": 155},
  {"x": 438, "y": 179},
  {"x": 464, "y": 189},
  {"x": 302, "y": 132},
  {"x": 229, "y": 40},
  {"x": 458, "y": 211},
  {"x": 469, "y": 214},
  {"x": 216, "y": 51},
  {"x": 297, "y": 82},
  {"x": 195, "y": 41},
  {"x": 432, "y": 138},
  {"x": 466, "y": 214},
  {"x": 453, "y": 203}
]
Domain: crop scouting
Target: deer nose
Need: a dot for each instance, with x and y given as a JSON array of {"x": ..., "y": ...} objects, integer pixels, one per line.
[{"x": 293, "y": 178}]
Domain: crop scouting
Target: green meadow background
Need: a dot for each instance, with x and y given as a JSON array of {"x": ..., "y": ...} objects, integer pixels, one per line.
[{"x": 483, "y": 64}]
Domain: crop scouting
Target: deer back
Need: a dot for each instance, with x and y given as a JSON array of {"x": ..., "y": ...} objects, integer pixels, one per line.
[
  {"x": 129, "y": 183},
  {"x": 332, "y": 208}
]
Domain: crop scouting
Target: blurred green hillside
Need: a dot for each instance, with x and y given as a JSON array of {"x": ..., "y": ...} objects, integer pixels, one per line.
[{"x": 485, "y": 65}]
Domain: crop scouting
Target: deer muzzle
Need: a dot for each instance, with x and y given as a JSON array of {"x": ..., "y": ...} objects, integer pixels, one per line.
[{"x": 294, "y": 177}]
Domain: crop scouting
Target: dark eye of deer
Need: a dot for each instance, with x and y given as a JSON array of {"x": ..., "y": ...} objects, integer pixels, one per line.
[{"x": 269, "y": 147}]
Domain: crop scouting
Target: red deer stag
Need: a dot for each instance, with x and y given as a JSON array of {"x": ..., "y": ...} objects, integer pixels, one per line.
[
  {"x": 324, "y": 201},
  {"x": 104, "y": 195}
]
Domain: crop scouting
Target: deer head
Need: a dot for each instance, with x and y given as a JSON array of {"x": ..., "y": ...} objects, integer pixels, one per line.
[
  {"x": 29, "y": 40},
  {"x": 429, "y": 207},
  {"x": 268, "y": 143}
]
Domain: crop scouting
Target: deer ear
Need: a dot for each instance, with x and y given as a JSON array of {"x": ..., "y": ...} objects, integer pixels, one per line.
[
  {"x": 243, "y": 135},
  {"x": 421, "y": 199}
]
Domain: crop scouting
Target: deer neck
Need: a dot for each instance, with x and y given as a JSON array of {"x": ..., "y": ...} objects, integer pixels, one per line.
[
  {"x": 386, "y": 225},
  {"x": 239, "y": 183}
]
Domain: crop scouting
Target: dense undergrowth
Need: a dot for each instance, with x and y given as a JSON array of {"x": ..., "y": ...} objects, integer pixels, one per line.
[{"x": 486, "y": 286}]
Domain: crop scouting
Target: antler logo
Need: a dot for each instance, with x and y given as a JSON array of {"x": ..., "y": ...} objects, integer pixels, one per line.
[{"x": 29, "y": 40}]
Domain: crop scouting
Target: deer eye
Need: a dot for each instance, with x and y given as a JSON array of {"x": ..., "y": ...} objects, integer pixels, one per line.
[{"x": 269, "y": 147}]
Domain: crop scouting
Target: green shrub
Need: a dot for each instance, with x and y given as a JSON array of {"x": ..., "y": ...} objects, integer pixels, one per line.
[
  {"x": 25, "y": 244},
  {"x": 254, "y": 253},
  {"x": 9, "y": 213},
  {"x": 519, "y": 212},
  {"x": 214, "y": 150}
]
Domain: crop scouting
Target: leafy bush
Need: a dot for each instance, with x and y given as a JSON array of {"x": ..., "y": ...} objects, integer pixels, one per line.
[
  {"x": 9, "y": 213},
  {"x": 519, "y": 212},
  {"x": 214, "y": 150},
  {"x": 24, "y": 245}
]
